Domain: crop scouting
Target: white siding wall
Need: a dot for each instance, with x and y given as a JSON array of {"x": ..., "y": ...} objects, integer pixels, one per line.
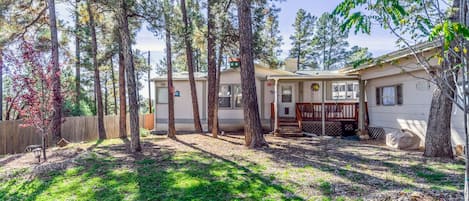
[
  {"x": 182, "y": 104},
  {"x": 413, "y": 113}
]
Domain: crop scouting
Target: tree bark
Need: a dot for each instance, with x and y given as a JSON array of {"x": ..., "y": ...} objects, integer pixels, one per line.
[
  {"x": 216, "y": 124},
  {"x": 57, "y": 97},
  {"x": 211, "y": 65},
  {"x": 254, "y": 137},
  {"x": 113, "y": 79},
  {"x": 106, "y": 98},
  {"x": 1, "y": 84},
  {"x": 171, "y": 127},
  {"x": 149, "y": 85},
  {"x": 438, "y": 134},
  {"x": 77, "y": 58},
  {"x": 190, "y": 67},
  {"x": 97, "y": 80},
  {"x": 122, "y": 95},
  {"x": 131, "y": 82}
]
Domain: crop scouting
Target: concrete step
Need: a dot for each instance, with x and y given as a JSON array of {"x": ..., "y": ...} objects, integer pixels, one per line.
[
  {"x": 289, "y": 134},
  {"x": 288, "y": 123}
]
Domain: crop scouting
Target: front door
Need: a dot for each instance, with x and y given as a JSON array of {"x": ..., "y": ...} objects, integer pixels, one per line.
[{"x": 287, "y": 100}]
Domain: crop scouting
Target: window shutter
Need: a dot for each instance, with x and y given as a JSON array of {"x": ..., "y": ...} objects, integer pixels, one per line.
[
  {"x": 400, "y": 99},
  {"x": 378, "y": 96}
]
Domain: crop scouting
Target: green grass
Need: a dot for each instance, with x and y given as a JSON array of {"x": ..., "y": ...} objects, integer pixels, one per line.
[{"x": 180, "y": 176}]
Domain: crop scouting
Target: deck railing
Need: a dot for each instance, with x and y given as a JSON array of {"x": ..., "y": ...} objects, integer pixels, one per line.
[{"x": 344, "y": 111}]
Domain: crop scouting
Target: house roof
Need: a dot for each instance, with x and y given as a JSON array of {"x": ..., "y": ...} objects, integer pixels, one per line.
[
  {"x": 393, "y": 56},
  {"x": 313, "y": 75},
  {"x": 261, "y": 71}
]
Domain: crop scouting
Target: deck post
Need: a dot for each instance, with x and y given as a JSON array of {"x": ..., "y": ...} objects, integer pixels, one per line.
[
  {"x": 276, "y": 106},
  {"x": 361, "y": 107},
  {"x": 323, "y": 112}
]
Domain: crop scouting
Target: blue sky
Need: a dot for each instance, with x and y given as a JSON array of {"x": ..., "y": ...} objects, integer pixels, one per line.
[{"x": 379, "y": 42}]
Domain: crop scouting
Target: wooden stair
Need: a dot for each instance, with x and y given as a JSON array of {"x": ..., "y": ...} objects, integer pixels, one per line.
[{"x": 289, "y": 127}]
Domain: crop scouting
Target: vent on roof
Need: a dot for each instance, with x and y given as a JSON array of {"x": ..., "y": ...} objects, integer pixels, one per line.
[{"x": 234, "y": 62}]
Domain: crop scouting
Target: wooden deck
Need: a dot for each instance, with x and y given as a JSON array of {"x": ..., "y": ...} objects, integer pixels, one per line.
[{"x": 344, "y": 114}]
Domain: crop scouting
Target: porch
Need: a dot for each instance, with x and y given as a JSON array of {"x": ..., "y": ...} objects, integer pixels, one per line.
[
  {"x": 340, "y": 119},
  {"x": 334, "y": 105}
]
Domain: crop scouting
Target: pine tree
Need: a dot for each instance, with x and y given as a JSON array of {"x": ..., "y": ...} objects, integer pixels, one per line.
[
  {"x": 57, "y": 106},
  {"x": 330, "y": 43},
  {"x": 254, "y": 137},
  {"x": 190, "y": 66},
  {"x": 97, "y": 81},
  {"x": 272, "y": 40},
  {"x": 301, "y": 39},
  {"x": 125, "y": 37}
]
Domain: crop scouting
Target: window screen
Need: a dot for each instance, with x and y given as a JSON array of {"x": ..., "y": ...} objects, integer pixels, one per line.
[{"x": 162, "y": 95}]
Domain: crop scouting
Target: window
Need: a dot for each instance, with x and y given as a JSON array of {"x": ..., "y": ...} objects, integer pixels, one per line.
[
  {"x": 389, "y": 95},
  {"x": 224, "y": 96},
  {"x": 230, "y": 96},
  {"x": 287, "y": 94},
  {"x": 345, "y": 90},
  {"x": 162, "y": 95}
]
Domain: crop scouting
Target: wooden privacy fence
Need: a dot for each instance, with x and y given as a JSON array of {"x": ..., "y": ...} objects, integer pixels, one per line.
[{"x": 14, "y": 138}]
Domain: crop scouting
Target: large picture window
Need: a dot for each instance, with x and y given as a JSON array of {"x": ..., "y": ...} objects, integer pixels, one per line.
[
  {"x": 230, "y": 96},
  {"x": 389, "y": 95},
  {"x": 345, "y": 90}
]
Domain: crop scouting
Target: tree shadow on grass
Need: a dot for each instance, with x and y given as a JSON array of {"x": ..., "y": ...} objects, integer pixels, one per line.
[
  {"x": 223, "y": 139},
  {"x": 338, "y": 162},
  {"x": 208, "y": 176}
]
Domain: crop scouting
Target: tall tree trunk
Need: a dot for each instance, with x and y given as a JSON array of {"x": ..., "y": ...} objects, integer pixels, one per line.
[
  {"x": 122, "y": 94},
  {"x": 77, "y": 57},
  {"x": 216, "y": 123},
  {"x": 171, "y": 126},
  {"x": 1, "y": 84},
  {"x": 298, "y": 57},
  {"x": 113, "y": 79},
  {"x": 149, "y": 85},
  {"x": 211, "y": 64},
  {"x": 131, "y": 82},
  {"x": 97, "y": 80},
  {"x": 190, "y": 67},
  {"x": 106, "y": 98},
  {"x": 57, "y": 97},
  {"x": 254, "y": 137},
  {"x": 438, "y": 134}
]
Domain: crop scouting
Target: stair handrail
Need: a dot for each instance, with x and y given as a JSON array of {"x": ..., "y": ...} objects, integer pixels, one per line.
[{"x": 299, "y": 116}]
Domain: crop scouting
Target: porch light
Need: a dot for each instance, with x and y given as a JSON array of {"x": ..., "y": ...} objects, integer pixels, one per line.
[{"x": 37, "y": 154}]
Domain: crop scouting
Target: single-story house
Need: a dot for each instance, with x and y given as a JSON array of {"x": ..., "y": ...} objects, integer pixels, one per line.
[
  {"x": 294, "y": 91},
  {"x": 382, "y": 97}
]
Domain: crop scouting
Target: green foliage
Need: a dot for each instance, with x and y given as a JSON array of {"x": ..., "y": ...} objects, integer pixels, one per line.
[
  {"x": 301, "y": 38},
  {"x": 329, "y": 43},
  {"x": 270, "y": 39}
]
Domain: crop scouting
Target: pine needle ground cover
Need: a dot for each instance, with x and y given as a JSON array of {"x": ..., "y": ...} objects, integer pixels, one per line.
[{"x": 198, "y": 167}]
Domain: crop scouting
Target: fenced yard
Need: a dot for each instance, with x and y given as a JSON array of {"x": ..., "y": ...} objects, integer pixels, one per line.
[
  {"x": 14, "y": 138},
  {"x": 199, "y": 167}
]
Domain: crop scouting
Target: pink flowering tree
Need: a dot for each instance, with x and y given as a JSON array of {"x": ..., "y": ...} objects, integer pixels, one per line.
[{"x": 33, "y": 84}]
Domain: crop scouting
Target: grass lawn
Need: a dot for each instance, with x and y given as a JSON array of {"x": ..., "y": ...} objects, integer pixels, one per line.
[{"x": 197, "y": 167}]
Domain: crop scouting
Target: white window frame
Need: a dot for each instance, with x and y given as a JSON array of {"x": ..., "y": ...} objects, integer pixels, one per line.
[
  {"x": 158, "y": 99},
  {"x": 340, "y": 90},
  {"x": 233, "y": 95}
]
